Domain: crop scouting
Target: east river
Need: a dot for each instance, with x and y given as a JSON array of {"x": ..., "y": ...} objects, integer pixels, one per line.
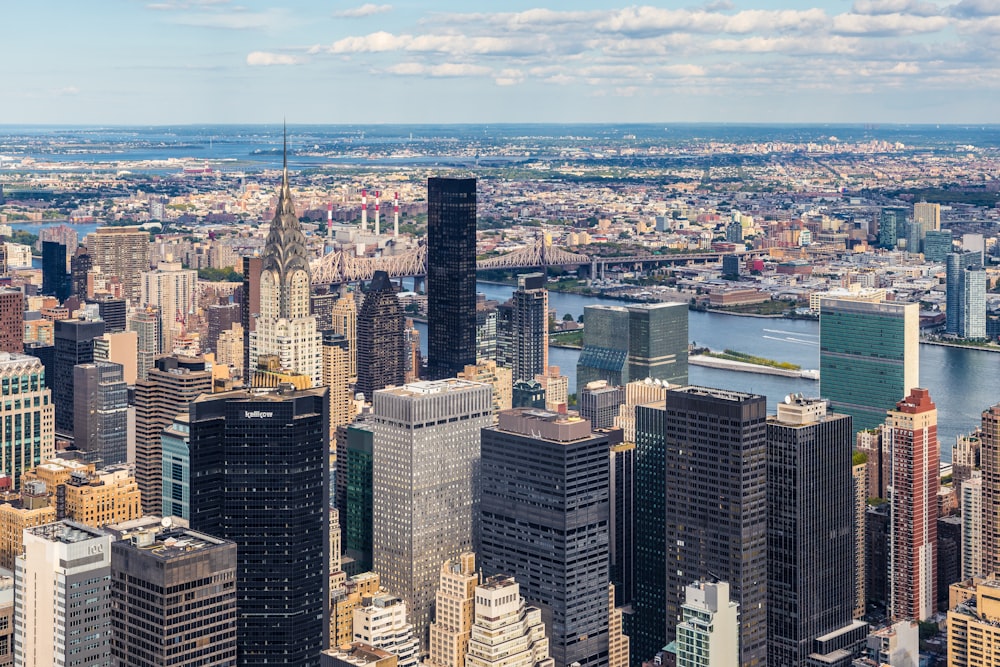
[{"x": 962, "y": 382}]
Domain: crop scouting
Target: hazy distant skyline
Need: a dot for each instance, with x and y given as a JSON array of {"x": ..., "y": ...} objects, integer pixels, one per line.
[{"x": 443, "y": 61}]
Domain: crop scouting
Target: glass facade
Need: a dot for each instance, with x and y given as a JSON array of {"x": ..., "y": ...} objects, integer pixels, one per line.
[
  {"x": 358, "y": 520},
  {"x": 380, "y": 338},
  {"x": 451, "y": 276}
]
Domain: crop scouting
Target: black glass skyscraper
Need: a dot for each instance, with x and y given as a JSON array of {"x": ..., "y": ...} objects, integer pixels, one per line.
[
  {"x": 55, "y": 280},
  {"x": 74, "y": 344},
  {"x": 259, "y": 478},
  {"x": 451, "y": 276},
  {"x": 380, "y": 338}
]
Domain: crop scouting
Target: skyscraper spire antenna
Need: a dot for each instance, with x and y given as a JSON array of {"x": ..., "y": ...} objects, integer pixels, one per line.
[{"x": 284, "y": 146}]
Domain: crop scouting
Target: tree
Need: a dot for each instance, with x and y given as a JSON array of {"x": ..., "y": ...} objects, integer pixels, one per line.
[{"x": 567, "y": 317}]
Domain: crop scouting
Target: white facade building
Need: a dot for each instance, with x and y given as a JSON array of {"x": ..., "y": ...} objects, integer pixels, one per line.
[
  {"x": 506, "y": 632},
  {"x": 381, "y": 622},
  {"x": 709, "y": 634},
  {"x": 972, "y": 526}
]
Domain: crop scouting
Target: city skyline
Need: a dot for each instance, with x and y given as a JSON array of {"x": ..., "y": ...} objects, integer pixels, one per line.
[{"x": 207, "y": 61}]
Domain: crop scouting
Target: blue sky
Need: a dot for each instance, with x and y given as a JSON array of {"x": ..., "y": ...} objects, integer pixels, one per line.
[{"x": 438, "y": 61}]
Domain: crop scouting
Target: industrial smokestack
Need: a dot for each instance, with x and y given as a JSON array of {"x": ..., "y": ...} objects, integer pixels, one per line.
[
  {"x": 377, "y": 195},
  {"x": 395, "y": 216},
  {"x": 364, "y": 210}
]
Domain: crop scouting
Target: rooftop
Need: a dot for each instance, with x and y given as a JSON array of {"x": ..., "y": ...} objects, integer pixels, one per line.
[{"x": 66, "y": 531}]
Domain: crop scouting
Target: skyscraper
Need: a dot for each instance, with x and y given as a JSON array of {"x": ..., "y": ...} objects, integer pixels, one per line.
[
  {"x": 810, "y": 531},
  {"x": 344, "y": 321},
  {"x": 11, "y": 320},
  {"x": 530, "y": 327},
  {"x": 151, "y": 628},
  {"x": 172, "y": 289},
  {"x": 100, "y": 412},
  {"x": 382, "y": 622},
  {"x": 709, "y": 632},
  {"x": 74, "y": 344},
  {"x": 937, "y": 245},
  {"x": 971, "y": 505},
  {"x": 621, "y": 345},
  {"x": 26, "y": 403},
  {"x": 149, "y": 339},
  {"x": 966, "y": 295},
  {"x": 380, "y": 338},
  {"x": 285, "y": 328},
  {"x": 55, "y": 280},
  {"x": 622, "y": 527},
  {"x": 991, "y": 490},
  {"x": 869, "y": 356},
  {"x": 113, "y": 311},
  {"x": 63, "y": 597},
  {"x": 358, "y": 504},
  {"x": 176, "y": 469},
  {"x": 713, "y": 511},
  {"x": 505, "y": 631},
  {"x": 916, "y": 459},
  {"x": 600, "y": 403},
  {"x": 544, "y": 519},
  {"x": 122, "y": 252},
  {"x": 335, "y": 376},
  {"x": 250, "y": 305},
  {"x": 168, "y": 389},
  {"x": 259, "y": 478},
  {"x": 80, "y": 265},
  {"x": 451, "y": 276},
  {"x": 221, "y": 317},
  {"x": 891, "y": 227},
  {"x": 452, "y": 627},
  {"x": 426, "y": 485},
  {"x": 928, "y": 215}
]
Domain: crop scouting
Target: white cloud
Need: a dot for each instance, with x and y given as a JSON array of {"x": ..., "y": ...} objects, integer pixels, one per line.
[
  {"x": 171, "y": 5},
  {"x": 238, "y": 19},
  {"x": 905, "y": 68},
  {"x": 887, "y": 24},
  {"x": 653, "y": 20},
  {"x": 367, "y": 9},
  {"x": 376, "y": 42},
  {"x": 915, "y": 7},
  {"x": 265, "y": 58},
  {"x": 509, "y": 77},
  {"x": 442, "y": 70}
]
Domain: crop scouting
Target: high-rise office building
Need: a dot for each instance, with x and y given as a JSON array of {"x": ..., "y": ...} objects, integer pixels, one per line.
[
  {"x": 63, "y": 597},
  {"x": 259, "y": 477},
  {"x": 380, "y": 338},
  {"x": 27, "y": 416},
  {"x": 149, "y": 339},
  {"x": 544, "y": 519},
  {"x": 486, "y": 329},
  {"x": 454, "y": 612},
  {"x": 172, "y": 289},
  {"x": 100, "y": 411},
  {"x": 229, "y": 350},
  {"x": 966, "y": 295},
  {"x": 971, "y": 506},
  {"x": 250, "y": 304},
  {"x": 167, "y": 391},
  {"x": 655, "y": 345},
  {"x": 11, "y": 320},
  {"x": 335, "y": 376},
  {"x": 506, "y": 632},
  {"x": 112, "y": 310},
  {"x": 709, "y": 632},
  {"x": 937, "y": 245},
  {"x": 55, "y": 280},
  {"x": 285, "y": 329},
  {"x": 891, "y": 227},
  {"x": 810, "y": 532},
  {"x": 531, "y": 327},
  {"x": 426, "y": 487},
  {"x": 916, "y": 459},
  {"x": 344, "y": 321},
  {"x": 120, "y": 348},
  {"x": 221, "y": 317},
  {"x": 152, "y": 625},
  {"x": 928, "y": 215},
  {"x": 600, "y": 403},
  {"x": 451, "y": 276},
  {"x": 381, "y": 622},
  {"x": 499, "y": 378},
  {"x": 701, "y": 460},
  {"x": 74, "y": 344},
  {"x": 122, "y": 252},
  {"x": 859, "y": 480},
  {"x": 869, "y": 356},
  {"x": 176, "y": 470},
  {"x": 621, "y": 547},
  {"x": 80, "y": 265},
  {"x": 358, "y": 504},
  {"x": 990, "y": 438}
]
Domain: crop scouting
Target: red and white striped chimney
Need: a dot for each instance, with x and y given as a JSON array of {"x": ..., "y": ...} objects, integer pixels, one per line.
[
  {"x": 395, "y": 216},
  {"x": 364, "y": 210},
  {"x": 378, "y": 194}
]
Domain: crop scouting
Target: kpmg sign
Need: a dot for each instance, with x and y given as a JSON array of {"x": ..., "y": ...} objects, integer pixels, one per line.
[{"x": 257, "y": 414}]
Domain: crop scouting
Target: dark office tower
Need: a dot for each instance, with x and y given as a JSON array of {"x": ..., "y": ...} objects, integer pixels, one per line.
[
  {"x": 380, "y": 338},
  {"x": 451, "y": 276},
  {"x": 544, "y": 520},
  {"x": 150, "y": 627},
  {"x": 531, "y": 327},
  {"x": 100, "y": 412},
  {"x": 622, "y": 527},
  {"x": 600, "y": 403},
  {"x": 505, "y": 335},
  {"x": 891, "y": 227},
  {"x": 11, "y": 320},
  {"x": 47, "y": 354},
  {"x": 221, "y": 317},
  {"x": 810, "y": 533},
  {"x": 250, "y": 305},
  {"x": 55, "y": 280},
  {"x": 321, "y": 307},
  {"x": 701, "y": 463},
  {"x": 949, "y": 558},
  {"x": 168, "y": 389},
  {"x": 112, "y": 311},
  {"x": 79, "y": 265},
  {"x": 259, "y": 478},
  {"x": 877, "y": 540},
  {"x": 658, "y": 342},
  {"x": 74, "y": 343},
  {"x": 358, "y": 500},
  {"x": 937, "y": 245}
]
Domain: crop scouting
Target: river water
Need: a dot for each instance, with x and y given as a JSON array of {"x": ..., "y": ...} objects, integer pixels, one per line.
[{"x": 962, "y": 382}]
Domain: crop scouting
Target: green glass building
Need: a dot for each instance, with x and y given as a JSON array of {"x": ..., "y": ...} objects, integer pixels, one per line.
[
  {"x": 869, "y": 357},
  {"x": 937, "y": 245},
  {"x": 358, "y": 522}
]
